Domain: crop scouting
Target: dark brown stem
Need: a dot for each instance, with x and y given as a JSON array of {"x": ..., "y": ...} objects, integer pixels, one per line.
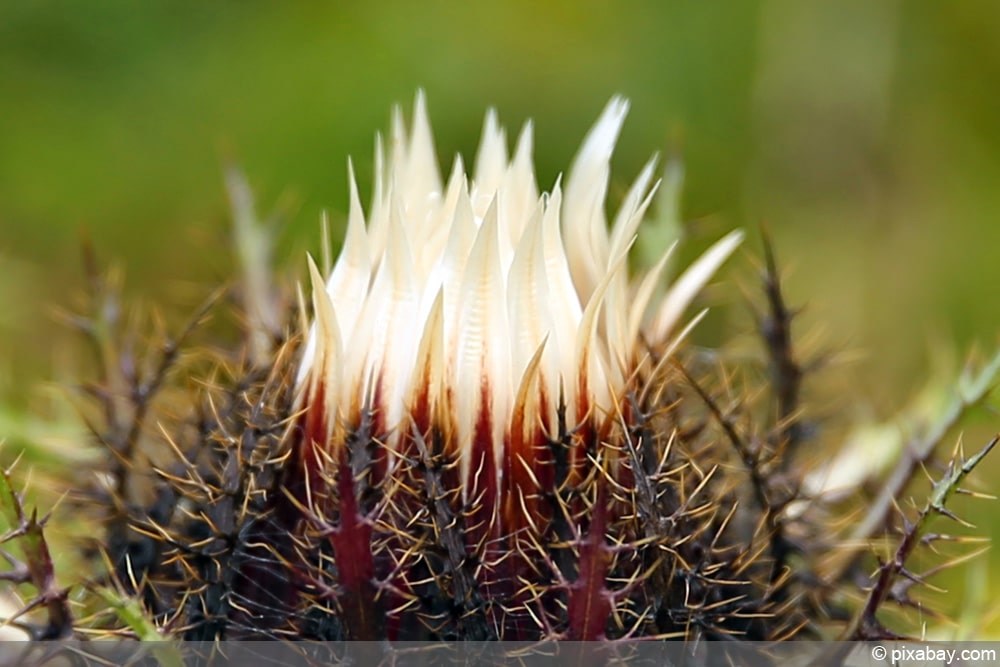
[{"x": 786, "y": 375}]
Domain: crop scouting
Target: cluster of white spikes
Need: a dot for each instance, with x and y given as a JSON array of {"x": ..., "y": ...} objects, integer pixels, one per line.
[{"x": 484, "y": 295}]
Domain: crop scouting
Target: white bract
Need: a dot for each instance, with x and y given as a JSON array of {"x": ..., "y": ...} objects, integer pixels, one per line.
[{"x": 477, "y": 305}]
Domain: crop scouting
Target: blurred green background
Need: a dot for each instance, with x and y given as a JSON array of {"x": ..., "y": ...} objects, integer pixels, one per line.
[{"x": 866, "y": 135}]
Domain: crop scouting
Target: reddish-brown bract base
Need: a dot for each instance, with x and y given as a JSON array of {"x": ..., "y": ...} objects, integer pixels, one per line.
[{"x": 533, "y": 546}]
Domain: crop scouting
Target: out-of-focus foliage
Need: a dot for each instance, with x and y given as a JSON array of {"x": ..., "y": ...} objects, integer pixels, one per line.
[{"x": 864, "y": 134}]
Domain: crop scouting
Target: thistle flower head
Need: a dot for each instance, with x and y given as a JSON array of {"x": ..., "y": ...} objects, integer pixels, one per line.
[
  {"x": 486, "y": 442},
  {"x": 477, "y": 306}
]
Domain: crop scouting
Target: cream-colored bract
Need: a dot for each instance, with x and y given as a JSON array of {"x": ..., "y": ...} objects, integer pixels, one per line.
[{"x": 483, "y": 296}]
